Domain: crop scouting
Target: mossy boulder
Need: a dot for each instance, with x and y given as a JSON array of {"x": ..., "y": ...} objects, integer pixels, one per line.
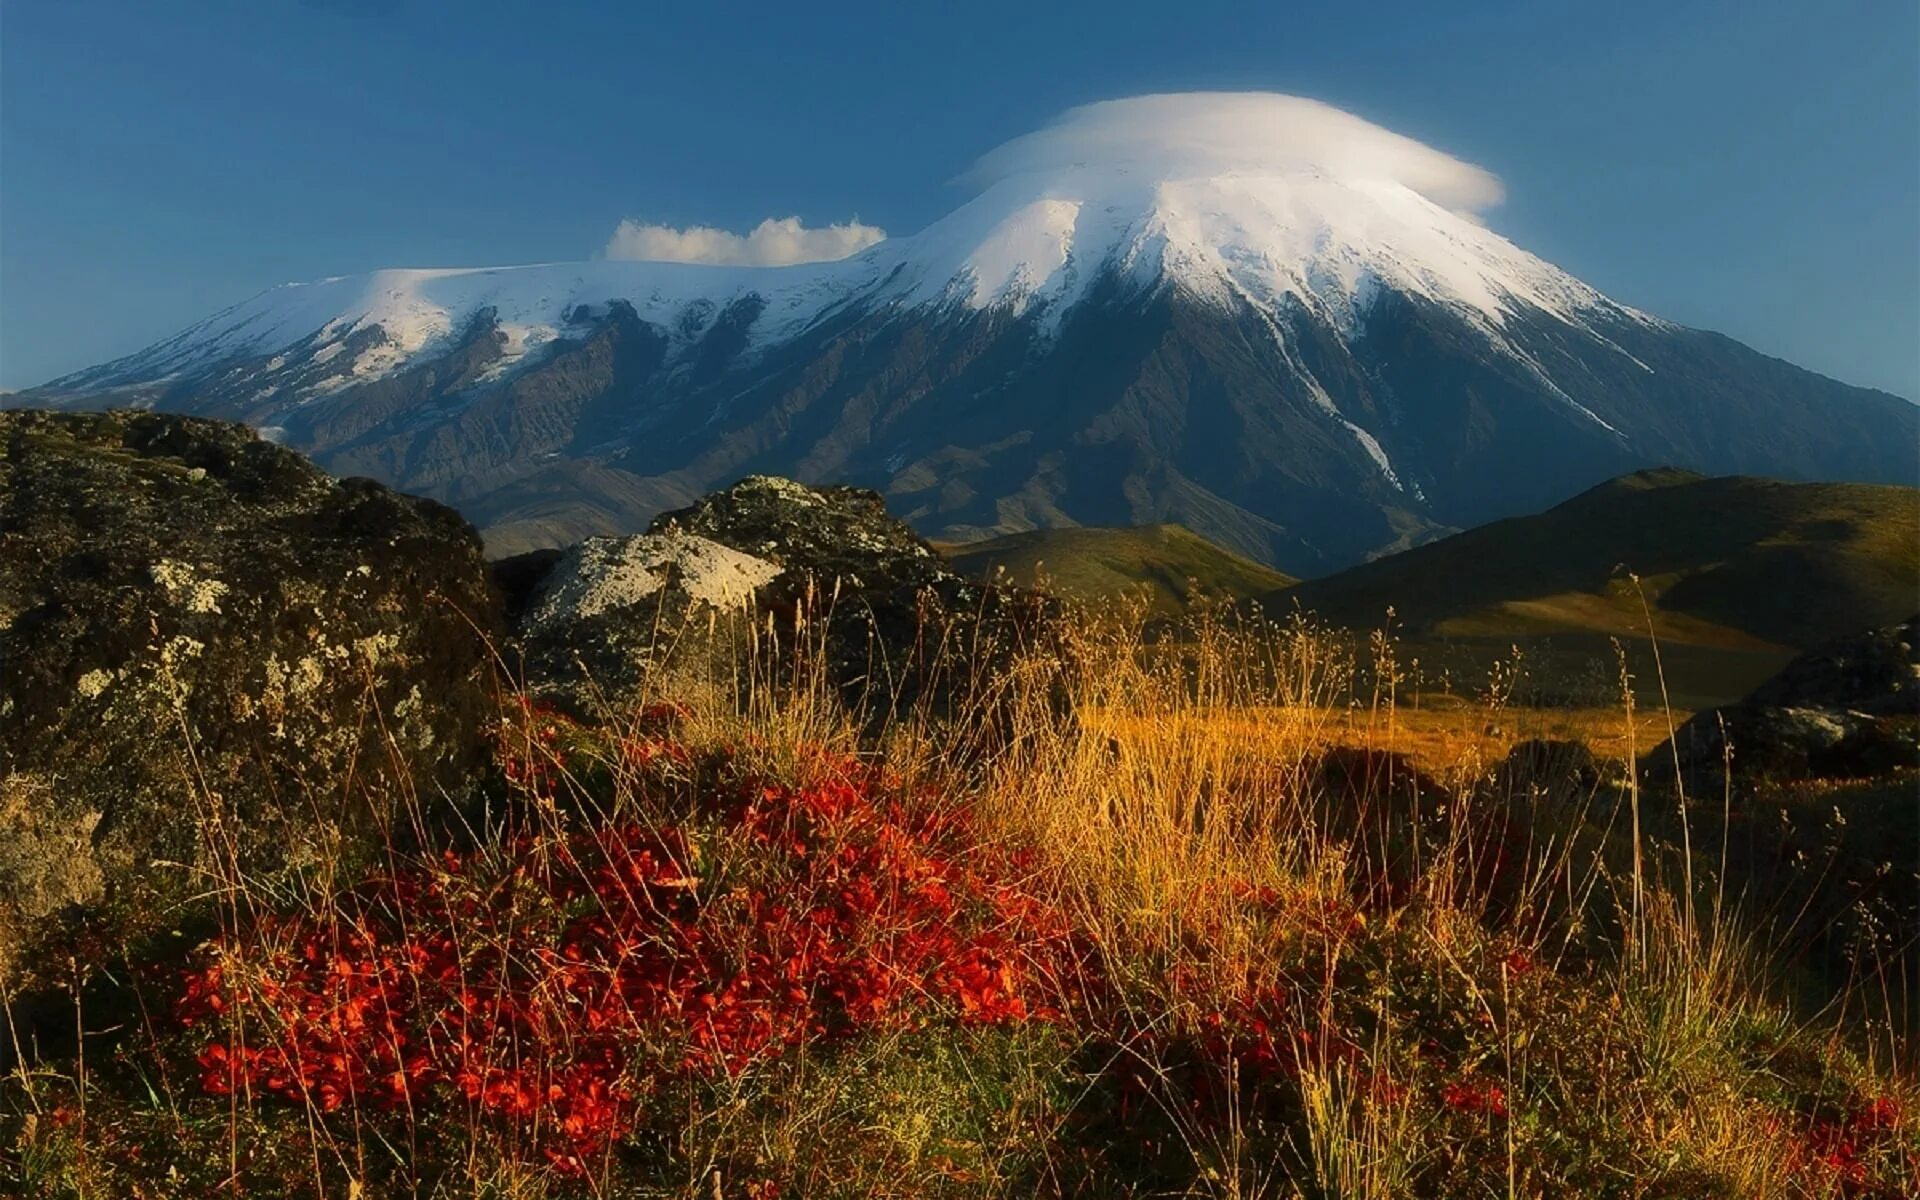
[{"x": 215, "y": 659}]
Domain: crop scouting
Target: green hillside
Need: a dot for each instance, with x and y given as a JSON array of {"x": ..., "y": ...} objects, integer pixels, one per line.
[
  {"x": 1170, "y": 564},
  {"x": 1732, "y": 562},
  {"x": 1734, "y": 574}
]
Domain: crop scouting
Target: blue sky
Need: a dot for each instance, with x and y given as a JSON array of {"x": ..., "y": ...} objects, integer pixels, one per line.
[{"x": 1752, "y": 167}]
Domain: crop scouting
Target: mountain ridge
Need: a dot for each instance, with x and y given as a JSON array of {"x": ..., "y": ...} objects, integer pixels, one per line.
[{"x": 1310, "y": 354}]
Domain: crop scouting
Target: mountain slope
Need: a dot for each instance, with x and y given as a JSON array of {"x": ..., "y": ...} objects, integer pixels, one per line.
[
  {"x": 1169, "y": 565},
  {"x": 1270, "y": 322},
  {"x": 1737, "y": 563}
]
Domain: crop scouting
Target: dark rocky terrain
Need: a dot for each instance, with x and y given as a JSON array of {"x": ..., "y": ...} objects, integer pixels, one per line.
[
  {"x": 203, "y": 637},
  {"x": 1139, "y": 409},
  {"x": 216, "y": 658}
]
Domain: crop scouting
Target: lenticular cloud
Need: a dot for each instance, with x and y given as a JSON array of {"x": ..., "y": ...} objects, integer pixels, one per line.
[
  {"x": 1163, "y": 137},
  {"x": 1219, "y": 132},
  {"x": 772, "y": 243}
]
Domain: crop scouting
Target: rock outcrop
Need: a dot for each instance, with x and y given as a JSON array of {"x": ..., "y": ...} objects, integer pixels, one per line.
[
  {"x": 815, "y": 578},
  {"x": 1553, "y": 769},
  {"x": 215, "y": 658},
  {"x": 1850, "y": 710},
  {"x": 602, "y": 620}
]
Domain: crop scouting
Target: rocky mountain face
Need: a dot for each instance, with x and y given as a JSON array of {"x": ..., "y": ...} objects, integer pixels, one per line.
[
  {"x": 1309, "y": 357},
  {"x": 1136, "y": 410}
]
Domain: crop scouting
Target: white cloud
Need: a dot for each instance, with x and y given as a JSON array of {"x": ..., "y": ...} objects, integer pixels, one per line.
[
  {"x": 1214, "y": 132},
  {"x": 772, "y": 243}
]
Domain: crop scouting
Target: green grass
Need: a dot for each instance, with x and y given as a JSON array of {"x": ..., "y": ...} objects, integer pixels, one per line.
[
  {"x": 1169, "y": 565},
  {"x": 1730, "y": 563}
]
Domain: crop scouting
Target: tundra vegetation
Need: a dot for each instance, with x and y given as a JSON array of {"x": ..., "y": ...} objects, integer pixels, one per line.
[
  {"x": 762, "y": 855},
  {"x": 1225, "y": 913}
]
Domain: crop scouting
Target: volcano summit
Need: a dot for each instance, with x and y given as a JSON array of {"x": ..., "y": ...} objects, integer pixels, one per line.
[{"x": 1251, "y": 314}]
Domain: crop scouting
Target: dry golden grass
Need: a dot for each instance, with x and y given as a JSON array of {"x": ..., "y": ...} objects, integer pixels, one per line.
[
  {"x": 1445, "y": 736},
  {"x": 1287, "y": 993}
]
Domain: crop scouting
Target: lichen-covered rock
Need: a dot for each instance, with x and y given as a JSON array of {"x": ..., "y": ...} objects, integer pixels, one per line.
[
  {"x": 215, "y": 657},
  {"x": 604, "y": 575},
  {"x": 1850, "y": 710},
  {"x": 900, "y": 631},
  {"x": 47, "y": 863},
  {"x": 796, "y": 574},
  {"x": 608, "y": 613},
  {"x": 833, "y": 533}
]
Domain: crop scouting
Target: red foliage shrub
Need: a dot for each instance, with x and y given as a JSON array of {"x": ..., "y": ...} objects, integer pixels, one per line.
[
  {"x": 555, "y": 985},
  {"x": 1836, "y": 1151},
  {"x": 1475, "y": 1096}
]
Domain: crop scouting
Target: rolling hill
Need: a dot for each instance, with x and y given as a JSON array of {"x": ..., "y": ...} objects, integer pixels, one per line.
[
  {"x": 1732, "y": 563},
  {"x": 1734, "y": 574},
  {"x": 1172, "y": 565}
]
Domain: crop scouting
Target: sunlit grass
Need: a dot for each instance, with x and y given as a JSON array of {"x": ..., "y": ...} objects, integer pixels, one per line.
[{"x": 1307, "y": 950}]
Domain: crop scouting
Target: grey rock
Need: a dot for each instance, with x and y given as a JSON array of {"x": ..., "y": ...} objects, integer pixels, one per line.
[
  {"x": 608, "y": 617},
  {"x": 215, "y": 658},
  {"x": 816, "y": 579},
  {"x": 1850, "y": 710}
]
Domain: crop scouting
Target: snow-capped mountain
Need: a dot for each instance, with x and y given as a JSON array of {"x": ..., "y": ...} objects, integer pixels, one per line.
[{"x": 1254, "y": 315}]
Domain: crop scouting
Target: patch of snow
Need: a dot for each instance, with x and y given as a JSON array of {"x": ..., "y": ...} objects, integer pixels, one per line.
[{"x": 1378, "y": 455}]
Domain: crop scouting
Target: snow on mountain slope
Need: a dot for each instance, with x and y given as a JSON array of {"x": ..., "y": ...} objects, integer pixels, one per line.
[
  {"x": 418, "y": 311},
  {"x": 1229, "y": 221},
  {"x": 1253, "y": 314},
  {"x": 1256, "y": 237}
]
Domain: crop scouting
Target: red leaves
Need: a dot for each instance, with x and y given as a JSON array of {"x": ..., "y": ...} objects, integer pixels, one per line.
[
  {"x": 1837, "y": 1150},
  {"x": 1475, "y": 1096},
  {"x": 552, "y": 986},
  {"x": 1879, "y": 1115}
]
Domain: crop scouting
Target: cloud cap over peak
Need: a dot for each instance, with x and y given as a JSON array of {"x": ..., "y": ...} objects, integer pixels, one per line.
[{"x": 1217, "y": 132}]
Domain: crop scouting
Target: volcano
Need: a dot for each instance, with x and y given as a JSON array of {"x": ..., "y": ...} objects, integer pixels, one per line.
[{"x": 1253, "y": 315}]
